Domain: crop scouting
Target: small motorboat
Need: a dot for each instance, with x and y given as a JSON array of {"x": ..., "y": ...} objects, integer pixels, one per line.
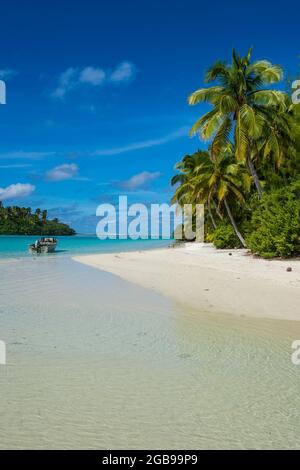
[{"x": 44, "y": 245}]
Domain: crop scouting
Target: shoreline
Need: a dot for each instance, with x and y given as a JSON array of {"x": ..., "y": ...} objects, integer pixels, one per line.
[{"x": 200, "y": 277}]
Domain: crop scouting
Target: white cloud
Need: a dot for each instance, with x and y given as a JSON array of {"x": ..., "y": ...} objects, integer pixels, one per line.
[
  {"x": 124, "y": 72},
  {"x": 6, "y": 74},
  {"x": 35, "y": 155},
  {"x": 62, "y": 172},
  {"x": 16, "y": 191},
  {"x": 66, "y": 82},
  {"x": 20, "y": 154},
  {"x": 140, "y": 180},
  {"x": 183, "y": 131},
  {"x": 92, "y": 76},
  {"x": 74, "y": 77},
  {"x": 16, "y": 165}
]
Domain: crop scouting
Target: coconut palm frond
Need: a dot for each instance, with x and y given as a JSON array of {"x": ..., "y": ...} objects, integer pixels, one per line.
[{"x": 204, "y": 95}]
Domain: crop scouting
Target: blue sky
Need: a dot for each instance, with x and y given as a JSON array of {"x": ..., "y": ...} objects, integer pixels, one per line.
[{"x": 96, "y": 92}]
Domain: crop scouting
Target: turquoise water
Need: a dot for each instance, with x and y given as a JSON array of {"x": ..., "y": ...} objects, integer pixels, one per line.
[
  {"x": 94, "y": 362},
  {"x": 17, "y": 246}
]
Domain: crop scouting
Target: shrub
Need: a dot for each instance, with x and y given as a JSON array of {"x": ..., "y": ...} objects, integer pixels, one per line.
[
  {"x": 225, "y": 237},
  {"x": 275, "y": 224}
]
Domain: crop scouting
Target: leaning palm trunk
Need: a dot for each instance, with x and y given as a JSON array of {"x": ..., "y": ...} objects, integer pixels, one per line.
[
  {"x": 219, "y": 214},
  {"x": 254, "y": 175},
  {"x": 211, "y": 214},
  {"x": 233, "y": 223}
]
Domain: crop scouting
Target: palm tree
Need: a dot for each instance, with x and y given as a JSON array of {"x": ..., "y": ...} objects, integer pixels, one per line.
[
  {"x": 204, "y": 178},
  {"x": 38, "y": 213},
  {"x": 222, "y": 177},
  {"x": 241, "y": 106},
  {"x": 188, "y": 191},
  {"x": 44, "y": 216}
]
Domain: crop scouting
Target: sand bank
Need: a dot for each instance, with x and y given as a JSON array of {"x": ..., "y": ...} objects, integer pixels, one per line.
[{"x": 201, "y": 277}]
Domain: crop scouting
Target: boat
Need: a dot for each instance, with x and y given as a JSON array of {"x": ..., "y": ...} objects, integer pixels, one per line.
[{"x": 44, "y": 245}]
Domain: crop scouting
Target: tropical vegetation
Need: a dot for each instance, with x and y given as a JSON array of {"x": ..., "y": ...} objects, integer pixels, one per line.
[
  {"x": 248, "y": 178},
  {"x": 22, "y": 221}
]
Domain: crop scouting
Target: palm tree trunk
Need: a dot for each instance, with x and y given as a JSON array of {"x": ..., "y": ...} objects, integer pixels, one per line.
[
  {"x": 233, "y": 223},
  {"x": 254, "y": 176},
  {"x": 211, "y": 214},
  {"x": 219, "y": 214}
]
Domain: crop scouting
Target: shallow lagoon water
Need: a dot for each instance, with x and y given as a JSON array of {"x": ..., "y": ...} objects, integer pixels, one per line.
[
  {"x": 15, "y": 246},
  {"x": 95, "y": 362}
]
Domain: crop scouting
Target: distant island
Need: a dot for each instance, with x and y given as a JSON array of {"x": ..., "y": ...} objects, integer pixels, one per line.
[{"x": 22, "y": 221}]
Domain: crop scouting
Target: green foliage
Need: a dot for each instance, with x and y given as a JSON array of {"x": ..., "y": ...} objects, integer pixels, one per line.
[
  {"x": 249, "y": 177},
  {"x": 21, "y": 221},
  {"x": 242, "y": 106},
  {"x": 225, "y": 237},
  {"x": 276, "y": 224}
]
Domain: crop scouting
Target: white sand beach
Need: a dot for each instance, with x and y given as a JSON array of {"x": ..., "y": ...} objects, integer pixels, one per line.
[{"x": 201, "y": 277}]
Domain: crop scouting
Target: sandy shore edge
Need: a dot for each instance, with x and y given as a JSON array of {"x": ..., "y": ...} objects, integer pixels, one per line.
[{"x": 203, "y": 278}]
